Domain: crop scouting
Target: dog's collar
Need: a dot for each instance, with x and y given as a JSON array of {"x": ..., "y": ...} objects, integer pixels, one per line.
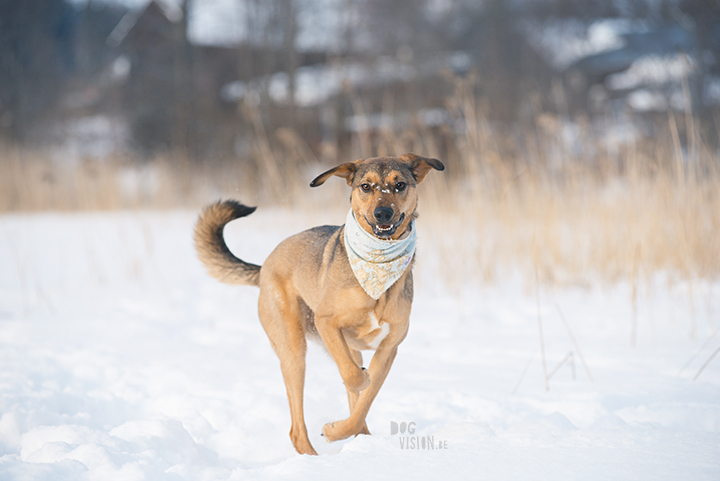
[{"x": 377, "y": 263}]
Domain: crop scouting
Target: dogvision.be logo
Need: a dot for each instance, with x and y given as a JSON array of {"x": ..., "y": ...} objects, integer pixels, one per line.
[{"x": 408, "y": 440}]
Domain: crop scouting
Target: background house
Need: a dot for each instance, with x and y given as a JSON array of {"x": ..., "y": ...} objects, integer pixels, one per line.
[{"x": 171, "y": 77}]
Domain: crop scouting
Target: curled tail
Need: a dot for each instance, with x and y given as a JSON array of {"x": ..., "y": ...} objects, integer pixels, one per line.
[{"x": 212, "y": 250}]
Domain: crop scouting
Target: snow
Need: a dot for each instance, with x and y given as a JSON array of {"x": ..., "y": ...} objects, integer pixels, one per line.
[
  {"x": 565, "y": 41},
  {"x": 652, "y": 70},
  {"x": 96, "y": 137},
  {"x": 120, "y": 359},
  {"x": 321, "y": 24},
  {"x": 655, "y": 82},
  {"x": 316, "y": 84}
]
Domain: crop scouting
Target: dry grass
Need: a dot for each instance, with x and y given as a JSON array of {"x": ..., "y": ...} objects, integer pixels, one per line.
[
  {"x": 580, "y": 221},
  {"x": 506, "y": 202},
  {"x": 36, "y": 181},
  {"x": 572, "y": 214},
  {"x": 574, "y": 232}
]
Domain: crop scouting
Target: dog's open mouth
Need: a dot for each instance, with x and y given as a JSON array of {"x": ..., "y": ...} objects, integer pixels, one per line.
[{"x": 387, "y": 230}]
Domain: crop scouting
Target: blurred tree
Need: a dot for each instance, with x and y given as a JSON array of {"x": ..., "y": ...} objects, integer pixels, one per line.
[
  {"x": 36, "y": 59},
  {"x": 159, "y": 94},
  {"x": 400, "y": 27},
  {"x": 702, "y": 18},
  {"x": 182, "y": 132},
  {"x": 94, "y": 24}
]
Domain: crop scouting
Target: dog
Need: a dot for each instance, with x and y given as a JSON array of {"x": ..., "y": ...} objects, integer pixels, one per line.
[{"x": 349, "y": 286}]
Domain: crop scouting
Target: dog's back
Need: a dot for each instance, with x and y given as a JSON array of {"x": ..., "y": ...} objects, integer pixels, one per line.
[{"x": 306, "y": 255}]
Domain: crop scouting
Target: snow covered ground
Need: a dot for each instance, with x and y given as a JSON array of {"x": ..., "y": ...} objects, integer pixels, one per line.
[{"x": 120, "y": 359}]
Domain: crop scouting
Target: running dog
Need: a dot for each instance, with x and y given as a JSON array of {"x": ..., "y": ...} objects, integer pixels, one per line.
[{"x": 350, "y": 286}]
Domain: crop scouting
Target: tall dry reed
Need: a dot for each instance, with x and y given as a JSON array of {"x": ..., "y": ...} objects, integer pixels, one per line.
[{"x": 562, "y": 210}]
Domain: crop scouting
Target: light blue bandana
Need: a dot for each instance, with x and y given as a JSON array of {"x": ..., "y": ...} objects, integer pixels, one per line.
[{"x": 377, "y": 263}]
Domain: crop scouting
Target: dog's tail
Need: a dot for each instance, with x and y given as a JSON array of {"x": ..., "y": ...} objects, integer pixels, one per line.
[{"x": 212, "y": 250}]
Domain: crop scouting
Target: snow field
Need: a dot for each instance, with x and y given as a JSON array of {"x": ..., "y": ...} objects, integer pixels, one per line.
[{"x": 120, "y": 359}]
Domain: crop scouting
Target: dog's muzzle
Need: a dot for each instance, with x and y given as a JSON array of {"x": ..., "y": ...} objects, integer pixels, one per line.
[{"x": 384, "y": 227}]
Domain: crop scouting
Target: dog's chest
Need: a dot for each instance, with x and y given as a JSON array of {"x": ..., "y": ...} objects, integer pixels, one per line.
[{"x": 370, "y": 334}]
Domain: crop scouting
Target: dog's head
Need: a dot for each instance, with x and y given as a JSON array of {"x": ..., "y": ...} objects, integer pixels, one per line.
[{"x": 384, "y": 195}]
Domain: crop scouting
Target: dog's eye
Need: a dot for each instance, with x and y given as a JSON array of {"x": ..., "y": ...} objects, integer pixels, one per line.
[
  {"x": 366, "y": 187},
  {"x": 400, "y": 186}
]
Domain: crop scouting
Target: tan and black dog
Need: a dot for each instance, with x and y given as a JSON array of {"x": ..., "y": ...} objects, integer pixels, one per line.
[{"x": 308, "y": 287}]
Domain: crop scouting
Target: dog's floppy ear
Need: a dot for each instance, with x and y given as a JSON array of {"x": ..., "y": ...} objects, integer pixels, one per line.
[
  {"x": 346, "y": 171},
  {"x": 420, "y": 166}
]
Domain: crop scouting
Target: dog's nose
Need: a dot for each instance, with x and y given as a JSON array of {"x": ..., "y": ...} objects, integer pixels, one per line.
[{"x": 383, "y": 214}]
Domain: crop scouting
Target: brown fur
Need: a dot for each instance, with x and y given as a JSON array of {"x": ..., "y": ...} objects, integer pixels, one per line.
[{"x": 307, "y": 287}]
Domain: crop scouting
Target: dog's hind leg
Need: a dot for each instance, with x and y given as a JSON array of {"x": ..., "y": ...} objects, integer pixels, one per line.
[
  {"x": 293, "y": 370},
  {"x": 353, "y": 395},
  {"x": 281, "y": 318}
]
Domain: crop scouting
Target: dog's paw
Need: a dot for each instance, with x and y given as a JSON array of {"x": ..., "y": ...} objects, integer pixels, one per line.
[
  {"x": 326, "y": 430},
  {"x": 335, "y": 431},
  {"x": 364, "y": 430},
  {"x": 360, "y": 381},
  {"x": 301, "y": 442},
  {"x": 338, "y": 430}
]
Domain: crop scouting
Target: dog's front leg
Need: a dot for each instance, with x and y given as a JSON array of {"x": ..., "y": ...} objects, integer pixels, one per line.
[
  {"x": 379, "y": 368},
  {"x": 355, "y": 377},
  {"x": 352, "y": 395}
]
